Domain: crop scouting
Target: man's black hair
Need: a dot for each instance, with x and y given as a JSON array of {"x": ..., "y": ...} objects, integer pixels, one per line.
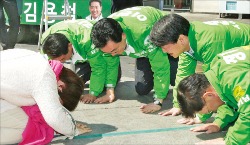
[
  {"x": 168, "y": 29},
  {"x": 104, "y": 30},
  {"x": 99, "y": 1},
  {"x": 55, "y": 45},
  {"x": 189, "y": 94}
]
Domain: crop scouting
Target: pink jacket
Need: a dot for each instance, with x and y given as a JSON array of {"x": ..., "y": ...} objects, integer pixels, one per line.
[{"x": 37, "y": 131}]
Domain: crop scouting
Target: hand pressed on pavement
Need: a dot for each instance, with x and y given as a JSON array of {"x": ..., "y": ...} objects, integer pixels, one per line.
[
  {"x": 208, "y": 128},
  {"x": 109, "y": 97},
  {"x": 173, "y": 112},
  {"x": 82, "y": 128},
  {"x": 189, "y": 121},
  {"x": 150, "y": 108},
  {"x": 88, "y": 98}
]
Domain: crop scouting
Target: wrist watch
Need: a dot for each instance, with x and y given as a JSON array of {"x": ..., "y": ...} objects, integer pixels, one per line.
[
  {"x": 157, "y": 102},
  {"x": 109, "y": 88}
]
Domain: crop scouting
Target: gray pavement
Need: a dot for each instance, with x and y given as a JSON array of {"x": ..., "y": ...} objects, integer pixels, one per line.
[{"x": 122, "y": 123}]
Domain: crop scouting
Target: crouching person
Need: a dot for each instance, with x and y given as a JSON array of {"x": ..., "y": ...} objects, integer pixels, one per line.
[
  {"x": 224, "y": 89},
  {"x": 35, "y": 96}
]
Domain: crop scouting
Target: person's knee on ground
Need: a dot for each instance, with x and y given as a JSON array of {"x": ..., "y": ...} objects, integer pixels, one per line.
[
  {"x": 83, "y": 70},
  {"x": 143, "y": 76}
]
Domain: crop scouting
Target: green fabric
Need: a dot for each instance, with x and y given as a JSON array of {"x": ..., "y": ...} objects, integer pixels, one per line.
[
  {"x": 188, "y": 67},
  {"x": 240, "y": 132},
  {"x": 229, "y": 75},
  {"x": 225, "y": 115},
  {"x": 204, "y": 117},
  {"x": 112, "y": 74},
  {"x": 137, "y": 23},
  {"x": 78, "y": 33},
  {"x": 207, "y": 39}
]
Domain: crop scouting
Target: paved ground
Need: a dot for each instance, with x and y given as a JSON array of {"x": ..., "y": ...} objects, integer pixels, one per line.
[{"x": 122, "y": 123}]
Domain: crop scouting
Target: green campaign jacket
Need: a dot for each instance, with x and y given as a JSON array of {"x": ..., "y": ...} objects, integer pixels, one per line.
[
  {"x": 137, "y": 23},
  {"x": 207, "y": 39},
  {"x": 78, "y": 33},
  {"x": 229, "y": 74}
]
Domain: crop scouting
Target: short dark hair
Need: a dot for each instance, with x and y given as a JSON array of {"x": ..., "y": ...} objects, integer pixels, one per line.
[
  {"x": 99, "y": 1},
  {"x": 73, "y": 89},
  {"x": 189, "y": 94},
  {"x": 104, "y": 30},
  {"x": 55, "y": 45},
  {"x": 168, "y": 29}
]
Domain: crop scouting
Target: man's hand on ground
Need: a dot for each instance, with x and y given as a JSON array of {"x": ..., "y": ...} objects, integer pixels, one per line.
[
  {"x": 189, "y": 121},
  {"x": 88, "y": 98},
  {"x": 109, "y": 97},
  {"x": 209, "y": 128},
  {"x": 150, "y": 108},
  {"x": 173, "y": 112}
]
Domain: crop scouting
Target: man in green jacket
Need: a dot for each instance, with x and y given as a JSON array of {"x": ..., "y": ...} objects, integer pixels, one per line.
[
  {"x": 195, "y": 41},
  {"x": 71, "y": 40},
  {"x": 225, "y": 89},
  {"x": 126, "y": 33}
]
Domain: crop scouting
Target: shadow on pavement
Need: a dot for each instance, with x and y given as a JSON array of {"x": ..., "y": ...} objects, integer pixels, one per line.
[
  {"x": 205, "y": 136},
  {"x": 97, "y": 133},
  {"x": 125, "y": 90}
]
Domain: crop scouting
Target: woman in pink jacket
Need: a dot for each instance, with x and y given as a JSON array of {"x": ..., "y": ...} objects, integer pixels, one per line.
[{"x": 28, "y": 79}]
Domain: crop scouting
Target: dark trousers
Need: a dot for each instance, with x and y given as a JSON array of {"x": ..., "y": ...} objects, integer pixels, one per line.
[
  {"x": 118, "y": 5},
  {"x": 84, "y": 71},
  {"x": 9, "y": 38},
  {"x": 144, "y": 79}
]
